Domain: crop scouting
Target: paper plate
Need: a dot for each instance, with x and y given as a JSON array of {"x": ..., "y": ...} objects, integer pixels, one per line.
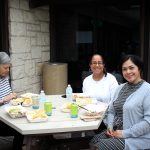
[
  {"x": 85, "y": 101},
  {"x": 17, "y": 101},
  {"x": 36, "y": 116},
  {"x": 96, "y": 107},
  {"x": 29, "y": 95},
  {"x": 15, "y": 111},
  {"x": 66, "y": 107}
]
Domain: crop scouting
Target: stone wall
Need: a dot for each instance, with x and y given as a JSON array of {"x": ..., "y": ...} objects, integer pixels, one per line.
[{"x": 29, "y": 45}]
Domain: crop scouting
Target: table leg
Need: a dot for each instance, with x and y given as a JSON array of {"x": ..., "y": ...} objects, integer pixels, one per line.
[{"x": 27, "y": 142}]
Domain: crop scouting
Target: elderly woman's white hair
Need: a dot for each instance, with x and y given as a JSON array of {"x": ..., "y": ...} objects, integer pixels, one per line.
[{"x": 4, "y": 58}]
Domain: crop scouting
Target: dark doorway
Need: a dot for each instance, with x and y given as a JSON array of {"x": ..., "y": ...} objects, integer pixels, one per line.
[
  {"x": 111, "y": 30},
  {"x": 4, "y": 44}
]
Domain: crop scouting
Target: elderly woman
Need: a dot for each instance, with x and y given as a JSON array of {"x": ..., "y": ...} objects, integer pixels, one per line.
[
  {"x": 129, "y": 113},
  {"x": 5, "y": 96},
  {"x": 5, "y": 91}
]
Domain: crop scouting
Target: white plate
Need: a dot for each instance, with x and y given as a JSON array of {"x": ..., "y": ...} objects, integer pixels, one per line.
[
  {"x": 26, "y": 105},
  {"x": 96, "y": 107},
  {"x": 81, "y": 95},
  {"x": 65, "y": 110},
  {"x": 21, "y": 112},
  {"x": 29, "y": 95},
  {"x": 17, "y": 101},
  {"x": 64, "y": 107},
  {"x": 85, "y": 101},
  {"x": 30, "y": 114},
  {"x": 24, "y": 101},
  {"x": 95, "y": 111},
  {"x": 27, "y": 102}
]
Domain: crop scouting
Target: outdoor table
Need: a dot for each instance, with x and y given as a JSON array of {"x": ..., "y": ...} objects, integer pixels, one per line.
[{"x": 58, "y": 122}]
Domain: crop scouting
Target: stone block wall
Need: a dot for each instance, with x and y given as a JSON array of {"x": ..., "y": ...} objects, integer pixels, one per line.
[{"x": 29, "y": 45}]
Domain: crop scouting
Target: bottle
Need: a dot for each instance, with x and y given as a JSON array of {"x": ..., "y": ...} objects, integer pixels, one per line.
[
  {"x": 42, "y": 96},
  {"x": 69, "y": 92}
]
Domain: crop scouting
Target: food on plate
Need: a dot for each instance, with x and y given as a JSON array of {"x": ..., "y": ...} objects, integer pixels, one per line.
[
  {"x": 97, "y": 108},
  {"x": 80, "y": 95},
  {"x": 66, "y": 107},
  {"x": 16, "y": 111},
  {"x": 36, "y": 115},
  {"x": 16, "y": 101},
  {"x": 93, "y": 111},
  {"x": 29, "y": 95},
  {"x": 84, "y": 100},
  {"x": 89, "y": 113},
  {"x": 90, "y": 116},
  {"x": 25, "y": 101}
]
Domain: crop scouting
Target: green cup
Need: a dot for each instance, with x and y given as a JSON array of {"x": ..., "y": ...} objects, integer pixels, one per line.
[
  {"x": 48, "y": 108},
  {"x": 74, "y": 111}
]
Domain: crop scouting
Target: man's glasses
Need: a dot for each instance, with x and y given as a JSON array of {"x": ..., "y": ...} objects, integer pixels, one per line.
[{"x": 97, "y": 63}]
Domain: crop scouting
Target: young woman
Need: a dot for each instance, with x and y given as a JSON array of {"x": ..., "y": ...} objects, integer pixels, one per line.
[{"x": 129, "y": 114}]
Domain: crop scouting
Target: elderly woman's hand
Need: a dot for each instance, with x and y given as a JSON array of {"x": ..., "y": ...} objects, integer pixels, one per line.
[
  {"x": 13, "y": 95},
  {"x": 10, "y": 97}
]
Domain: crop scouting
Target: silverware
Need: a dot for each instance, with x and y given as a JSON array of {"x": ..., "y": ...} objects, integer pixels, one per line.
[{"x": 86, "y": 109}]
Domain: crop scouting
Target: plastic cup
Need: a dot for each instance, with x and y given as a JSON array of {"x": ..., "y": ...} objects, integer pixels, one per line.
[
  {"x": 74, "y": 111},
  {"x": 35, "y": 102},
  {"x": 48, "y": 108}
]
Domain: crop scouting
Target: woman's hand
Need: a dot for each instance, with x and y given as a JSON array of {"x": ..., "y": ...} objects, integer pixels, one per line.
[
  {"x": 9, "y": 97},
  {"x": 114, "y": 134},
  {"x": 118, "y": 134},
  {"x": 110, "y": 132}
]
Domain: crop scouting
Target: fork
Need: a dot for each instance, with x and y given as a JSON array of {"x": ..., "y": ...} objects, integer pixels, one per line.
[{"x": 86, "y": 109}]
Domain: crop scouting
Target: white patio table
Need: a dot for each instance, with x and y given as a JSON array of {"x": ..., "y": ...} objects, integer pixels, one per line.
[{"x": 59, "y": 122}]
